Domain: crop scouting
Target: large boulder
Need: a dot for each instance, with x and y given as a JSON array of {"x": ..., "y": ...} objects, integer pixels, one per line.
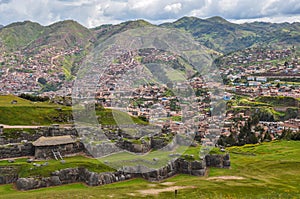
[
  {"x": 54, "y": 181},
  {"x": 26, "y": 183}
]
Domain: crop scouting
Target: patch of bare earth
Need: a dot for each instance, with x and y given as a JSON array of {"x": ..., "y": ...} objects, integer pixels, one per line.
[
  {"x": 226, "y": 178},
  {"x": 167, "y": 189},
  {"x": 167, "y": 183}
]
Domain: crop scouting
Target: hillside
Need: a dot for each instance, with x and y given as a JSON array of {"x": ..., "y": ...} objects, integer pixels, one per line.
[
  {"x": 27, "y": 35},
  {"x": 64, "y": 34},
  {"x": 215, "y": 33},
  {"x": 20, "y": 34},
  {"x": 105, "y": 31},
  {"x": 25, "y": 112},
  {"x": 225, "y": 37},
  {"x": 56, "y": 52}
]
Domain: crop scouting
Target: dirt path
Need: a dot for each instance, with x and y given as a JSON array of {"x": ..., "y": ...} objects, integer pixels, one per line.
[
  {"x": 32, "y": 127},
  {"x": 19, "y": 127},
  {"x": 167, "y": 189},
  {"x": 226, "y": 178}
]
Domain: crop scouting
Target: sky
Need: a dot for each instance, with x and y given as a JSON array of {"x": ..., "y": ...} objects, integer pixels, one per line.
[{"x": 92, "y": 13}]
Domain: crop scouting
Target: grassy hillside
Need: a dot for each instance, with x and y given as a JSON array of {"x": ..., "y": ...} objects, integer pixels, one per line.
[
  {"x": 32, "y": 35},
  {"x": 20, "y": 34},
  {"x": 25, "y": 112},
  {"x": 63, "y": 34},
  {"x": 215, "y": 33},
  {"x": 108, "y": 117},
  {"x": 268, "y": 170},
  {"x": 279, "y": 101},
  {"x": 105, "y": 31},
  {"x": 218, "y": 34}
]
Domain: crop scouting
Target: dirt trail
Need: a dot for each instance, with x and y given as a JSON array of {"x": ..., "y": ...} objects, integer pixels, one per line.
[
  {"x": 19, "y": 127},
  {"x": 226, "y": 178},
  {"x": 167, "y": 189}
]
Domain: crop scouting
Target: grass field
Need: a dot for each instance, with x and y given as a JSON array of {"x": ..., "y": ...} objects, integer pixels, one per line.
[{"x": 268, "y": 170}]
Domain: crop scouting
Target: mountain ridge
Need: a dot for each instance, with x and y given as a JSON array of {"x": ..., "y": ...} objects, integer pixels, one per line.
[
  {"x": 215, "y": 33},
  {"x": 58, "y": 50},
  {"x": 223, "y": 36}
]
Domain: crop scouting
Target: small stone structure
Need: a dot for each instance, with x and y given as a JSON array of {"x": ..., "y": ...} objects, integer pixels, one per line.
[{"x": 46, "y": 147}]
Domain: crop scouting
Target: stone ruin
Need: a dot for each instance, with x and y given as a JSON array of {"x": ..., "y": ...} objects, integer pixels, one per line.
[{"x": 24, "y": 146}]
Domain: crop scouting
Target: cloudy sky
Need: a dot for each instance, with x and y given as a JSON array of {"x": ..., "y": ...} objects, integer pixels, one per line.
[{"x": 93, "y": 13}]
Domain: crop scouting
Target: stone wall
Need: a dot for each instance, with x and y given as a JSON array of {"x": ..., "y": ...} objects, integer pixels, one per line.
[
  {"x": 16, "y": 150},
  {"x": 180, "y": 165},
  {"x": 196, "y": 168},
  {"x": 219, "y": 161},
  {"x": 31, "y": 135},
  {"x": 45, "y": 152},
  {"x": 8, "y": 175},
  {"x": 134, "y": 147},
  {"x": 72, "y": 175}
]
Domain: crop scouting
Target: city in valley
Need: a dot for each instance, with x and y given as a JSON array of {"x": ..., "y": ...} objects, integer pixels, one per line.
[{"x": 151, "y": 122}]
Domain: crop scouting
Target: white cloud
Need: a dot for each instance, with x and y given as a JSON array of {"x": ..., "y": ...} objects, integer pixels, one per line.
[
  {"x": 277, "y": 19},
  {"x": 176, "y": 7},
  {"x": 96, "y": 12}
]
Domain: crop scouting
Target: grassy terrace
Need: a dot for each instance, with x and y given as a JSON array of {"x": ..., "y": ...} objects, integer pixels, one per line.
[
  {"x": 268, "y": 170},
  {"x": 28, "y": 170}
]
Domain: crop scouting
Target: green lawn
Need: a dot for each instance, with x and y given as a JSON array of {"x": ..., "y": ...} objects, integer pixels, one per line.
[{"x": 268, "y": 170}]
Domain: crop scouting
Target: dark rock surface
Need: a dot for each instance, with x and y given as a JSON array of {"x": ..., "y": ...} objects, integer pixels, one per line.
[
  {"x": 219, "y": 161},
  {"x": 71, "y": 175},
  {"x": 8, "y": 175},
  {"x": 16, "y": 150}
]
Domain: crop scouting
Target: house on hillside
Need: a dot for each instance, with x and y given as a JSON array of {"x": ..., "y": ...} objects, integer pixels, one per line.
[{"x": 56, "y": 147}]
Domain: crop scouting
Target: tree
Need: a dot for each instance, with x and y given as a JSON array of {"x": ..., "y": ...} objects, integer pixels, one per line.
[
  {"x": 267, "y": 137},
  {"x": 42, "y": 80},
  {"x": 278, "y": 85}
]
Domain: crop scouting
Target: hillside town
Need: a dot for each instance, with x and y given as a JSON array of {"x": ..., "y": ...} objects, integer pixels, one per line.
[
  {"x": 253, "y": 73},
  {"x": 30, "y": 72},
  {"x": 149, "y": 99}
]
